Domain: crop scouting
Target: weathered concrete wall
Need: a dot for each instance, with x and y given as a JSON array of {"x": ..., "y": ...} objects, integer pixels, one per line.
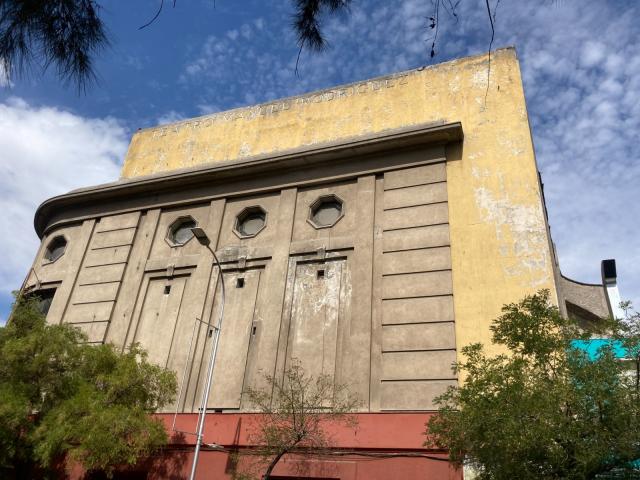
[
  {"x": 590, "y": 299},
  {"x": 499, "y": 244},
  {"x": 365, "y": 297},
  {"x": 435, "y": 235}
]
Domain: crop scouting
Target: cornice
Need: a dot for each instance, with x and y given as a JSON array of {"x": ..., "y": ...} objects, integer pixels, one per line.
[{"x": 438, "y": 133}]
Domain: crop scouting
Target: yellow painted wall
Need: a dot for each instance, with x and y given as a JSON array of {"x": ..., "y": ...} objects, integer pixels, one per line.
[{"x": 500, "y": 250}]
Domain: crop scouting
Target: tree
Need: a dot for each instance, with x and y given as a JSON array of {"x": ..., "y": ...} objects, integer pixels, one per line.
[
  {"x": 296, "y": 411},
  {"x": 64, "y": 400},
  {"x": 545, "y": 409},
  {"x": 627, "y": 337},
  {"x": 63, "y": 33}
]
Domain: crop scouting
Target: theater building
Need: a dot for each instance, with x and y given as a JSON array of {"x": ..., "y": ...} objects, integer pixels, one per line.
[{"x": 369, "y": 231}]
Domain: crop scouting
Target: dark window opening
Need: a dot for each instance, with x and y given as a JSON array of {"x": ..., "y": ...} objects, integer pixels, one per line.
[
  {"x": 56, "y": 248},
  {"x": 45, "y": 297},
  {"x": 320, "y": 273},
  {"x": 180, "y": 231},
  {"x": 167, "y": 289},
  {"x": 183, "y": 233},
  {"x": 240, "y": 282},
  {"x": 327, "y": 213},
  {"x": 251, "y": 221}
]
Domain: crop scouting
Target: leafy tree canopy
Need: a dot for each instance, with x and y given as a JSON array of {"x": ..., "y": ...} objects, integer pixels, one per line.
[
  {"x": 62, "y": 399},
  {"x": 544, "y": 410}
]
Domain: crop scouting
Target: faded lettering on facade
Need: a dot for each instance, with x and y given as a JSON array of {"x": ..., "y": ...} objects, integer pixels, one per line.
[{"x": 282, "y": 105}]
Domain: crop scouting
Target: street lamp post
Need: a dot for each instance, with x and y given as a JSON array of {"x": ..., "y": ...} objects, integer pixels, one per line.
[{"x": 202, "y": 238}]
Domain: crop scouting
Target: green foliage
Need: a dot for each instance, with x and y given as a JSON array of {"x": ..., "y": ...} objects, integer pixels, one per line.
[
  {"x": 544, "y": 410},
  {"x": 63, "y": 33},
  {"x": 296, "y": 411},
  {"x": 61, "y": 397}
]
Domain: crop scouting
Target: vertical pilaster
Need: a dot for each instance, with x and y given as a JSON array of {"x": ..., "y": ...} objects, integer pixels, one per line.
[
  {"x": 270, "y": 340},
  {"x": 358, "y": 336},
  {"x": 376, "y": 315}
]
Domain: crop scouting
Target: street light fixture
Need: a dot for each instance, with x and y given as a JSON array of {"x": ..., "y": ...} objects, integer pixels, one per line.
[{"x": 202, "y": 238}]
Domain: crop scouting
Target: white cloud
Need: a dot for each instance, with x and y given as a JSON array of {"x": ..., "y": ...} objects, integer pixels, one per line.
[
  {"x": 170, "y": 117},
  {"x": 581, "y": 70},
  {"x": 47, "y": 152}
]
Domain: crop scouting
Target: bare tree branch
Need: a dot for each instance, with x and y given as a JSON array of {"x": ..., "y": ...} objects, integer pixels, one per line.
[
  {"x": 493, "y": 32},
  {"x": 156, "y": 15},
  {"x": 296, "y": 415}
]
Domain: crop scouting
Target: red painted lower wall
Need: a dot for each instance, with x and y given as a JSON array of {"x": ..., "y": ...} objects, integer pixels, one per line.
[{"x": 382, "y": 446}]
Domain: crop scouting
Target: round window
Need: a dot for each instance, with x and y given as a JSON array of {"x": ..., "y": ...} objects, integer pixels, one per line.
[
  {"x": 326, "y": 211},
  {"x": 180, "y": 232},
  {"x": 250, "y": 221},
  {"x": 55, "y": 249}
]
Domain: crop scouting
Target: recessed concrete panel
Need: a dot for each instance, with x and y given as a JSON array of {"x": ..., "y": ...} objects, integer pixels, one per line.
[
  {"x": 113, "y": 238},
  {"x": 118, "y": 222},
  {"x": 107, "y": 256},
  {"x": 156, "y": 325},
  {"x": 237, "y": 332},
  {"x": 94, "y": 330},
  {"x": 417, "y": 285},
  {"x": 415, "y": 176},
  {"x": 104, "y": 292},
  {"x": 269, "y": 203},
  {"x": 421, "y": 237},
  {"x": 55, "y": 269},
  {"x": 422, "y": 260},
  {"x": 417, "y": 195},
  {"x": 101, "y": 274},
  {"x": 419, "y": 216},
  {"x": 303, "y": 230},
  {"x": 422, "y": 336},
  {"x": 316, "y": 305},
  {"x": 417, "y": 310},
  {"x": 88, "y": 312},
  {"x": 418, "y": 365},
  {"x": 413, "y": 395},
  {"x": 162, "y": 249}
]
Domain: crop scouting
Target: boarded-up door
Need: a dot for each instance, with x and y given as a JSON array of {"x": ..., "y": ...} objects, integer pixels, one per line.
[
  {"x": 157, "y": 323},
  {"x": 235, "y": 339},
  {"x": 319, "y": 302}
]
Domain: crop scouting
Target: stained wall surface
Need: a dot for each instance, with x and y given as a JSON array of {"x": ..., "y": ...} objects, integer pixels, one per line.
[
  {"x": 426, "y": 246},
  {"x": 499, "y": 245},
  {"x": 351, "y": 279}
]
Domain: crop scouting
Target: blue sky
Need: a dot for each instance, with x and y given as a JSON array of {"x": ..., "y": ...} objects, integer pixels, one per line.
[{"x": 581, "y": 68}]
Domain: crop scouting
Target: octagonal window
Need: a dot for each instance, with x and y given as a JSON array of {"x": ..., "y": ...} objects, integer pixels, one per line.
[
  {"x": 250, "y": 222},
  {"x": 326, "y": 211},
  {"x": 180, "y": 231},
  {"x": 55, "y": 249}
]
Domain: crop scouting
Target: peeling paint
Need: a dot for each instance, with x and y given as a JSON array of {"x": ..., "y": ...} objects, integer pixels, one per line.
[
  {"x": 499, "y": 244},
  {"x": 520, "y": 231}
]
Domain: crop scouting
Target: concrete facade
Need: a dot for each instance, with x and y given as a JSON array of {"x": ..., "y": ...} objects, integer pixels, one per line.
[{"x": 368, "y": 231}]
